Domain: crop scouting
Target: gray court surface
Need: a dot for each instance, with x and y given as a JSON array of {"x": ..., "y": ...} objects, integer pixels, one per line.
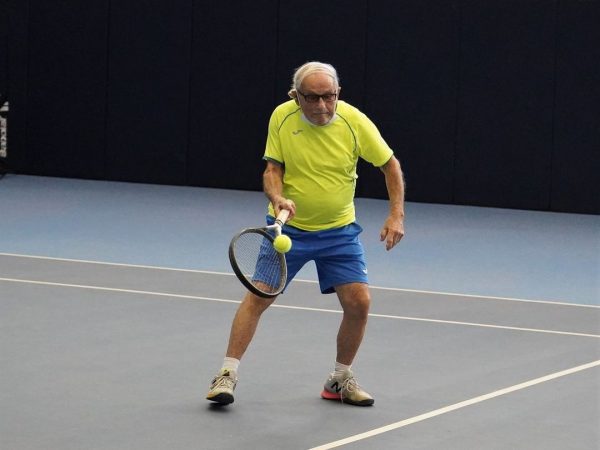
[
  {"x": 116, "y": 301},
  {"x": 108, "y": 356}
]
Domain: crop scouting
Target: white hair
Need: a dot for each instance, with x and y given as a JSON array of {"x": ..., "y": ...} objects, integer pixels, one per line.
[{"x": 308, "y": 69}]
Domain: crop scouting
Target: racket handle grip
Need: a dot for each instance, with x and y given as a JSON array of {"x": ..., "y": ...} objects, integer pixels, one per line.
[{"x": 282, "y": 217}]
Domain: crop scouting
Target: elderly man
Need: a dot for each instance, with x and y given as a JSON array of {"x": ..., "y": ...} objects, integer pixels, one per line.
[{"x": 313, "y": 145}]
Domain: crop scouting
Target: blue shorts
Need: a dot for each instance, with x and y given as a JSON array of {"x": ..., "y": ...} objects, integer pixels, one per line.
[{"x": 337, "y": 253}]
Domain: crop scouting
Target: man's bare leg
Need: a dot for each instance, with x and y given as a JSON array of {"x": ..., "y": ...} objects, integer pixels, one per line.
[
  {"x": 245, "y": 322},
  {"x": 355, "y": 300}
]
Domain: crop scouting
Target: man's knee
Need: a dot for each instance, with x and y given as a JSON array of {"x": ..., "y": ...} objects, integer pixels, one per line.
[
  {"x": 355, "y": 299},
  {"x": 255, "y": 303}
]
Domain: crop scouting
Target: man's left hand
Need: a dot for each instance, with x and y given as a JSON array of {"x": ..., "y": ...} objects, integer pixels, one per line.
[{"x": 392, "y": 232}]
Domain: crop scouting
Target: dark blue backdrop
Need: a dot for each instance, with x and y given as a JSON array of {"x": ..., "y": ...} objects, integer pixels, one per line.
[{"x": 485, "y": 103}]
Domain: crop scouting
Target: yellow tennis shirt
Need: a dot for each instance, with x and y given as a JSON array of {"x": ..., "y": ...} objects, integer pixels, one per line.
[{"x": 320, "y": 162}]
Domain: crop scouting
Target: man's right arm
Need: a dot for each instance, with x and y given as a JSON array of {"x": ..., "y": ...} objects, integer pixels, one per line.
[{"x": 273, "y": 188}]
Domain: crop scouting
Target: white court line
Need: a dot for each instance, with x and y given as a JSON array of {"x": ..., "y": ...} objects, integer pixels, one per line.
[
  {"x": 415, "y": 291},
  {"x": 127, "y": 291},
  {"x": 104, "y": 263},
  {"x": 303, "y": 308},
  {"x": 454, "y": 407}
]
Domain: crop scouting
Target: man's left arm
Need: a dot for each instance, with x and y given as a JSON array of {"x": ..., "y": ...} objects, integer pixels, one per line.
[{"x": 393, "y": 228}]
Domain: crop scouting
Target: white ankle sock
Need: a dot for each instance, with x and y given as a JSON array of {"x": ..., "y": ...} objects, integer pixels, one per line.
[
  {"x": 231, "y": 363},
  {"x": 340, "y": 369}
]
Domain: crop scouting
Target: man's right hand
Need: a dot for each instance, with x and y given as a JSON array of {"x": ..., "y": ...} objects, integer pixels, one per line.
[{"x": 284, "y": 203}]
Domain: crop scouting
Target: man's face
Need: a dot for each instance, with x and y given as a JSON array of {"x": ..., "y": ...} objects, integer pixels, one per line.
[{"x": 318, "y": 110}]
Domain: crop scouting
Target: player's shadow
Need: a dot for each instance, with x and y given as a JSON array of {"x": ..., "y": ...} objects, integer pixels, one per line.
[{"x": 217, "y": 408}]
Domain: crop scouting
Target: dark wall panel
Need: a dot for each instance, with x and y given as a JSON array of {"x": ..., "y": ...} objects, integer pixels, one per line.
[
  {"x": 232, "y": 83},
  {"x": 505, "y": 104},
  {"x": 485, "y": 103},
  {"x": 576, "y": 162},
  {"x": 333, "y": 32},
  {"x": 3, "y": 48},
  {"x": 66, "y": 88},
  {"x": 3, "y": 76},
  {"x": 411, "y": 84},
  {"x": 148, "y": 90},
  {"x": 18, "y": 20}
]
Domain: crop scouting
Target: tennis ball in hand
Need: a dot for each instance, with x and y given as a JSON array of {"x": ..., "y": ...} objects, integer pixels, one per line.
[{"x": 282, "y": 243}]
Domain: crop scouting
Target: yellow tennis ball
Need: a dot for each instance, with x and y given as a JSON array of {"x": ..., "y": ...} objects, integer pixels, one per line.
[{"x": 282, "y": 243}]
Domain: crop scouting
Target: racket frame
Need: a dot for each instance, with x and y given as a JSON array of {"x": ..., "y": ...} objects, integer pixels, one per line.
[{"x": 263, "y": 231}]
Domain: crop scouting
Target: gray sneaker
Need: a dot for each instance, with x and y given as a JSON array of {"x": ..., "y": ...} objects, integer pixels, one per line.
[
  {"x": 222, "y": 386},
  {"x": 347, "y": 390}
]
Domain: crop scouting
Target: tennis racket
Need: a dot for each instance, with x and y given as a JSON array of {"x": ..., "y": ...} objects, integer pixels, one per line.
[{"x": 256, "y": 263}]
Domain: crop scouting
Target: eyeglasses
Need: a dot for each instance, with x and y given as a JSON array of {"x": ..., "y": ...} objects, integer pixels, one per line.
[{"x": 314, "y": 98}]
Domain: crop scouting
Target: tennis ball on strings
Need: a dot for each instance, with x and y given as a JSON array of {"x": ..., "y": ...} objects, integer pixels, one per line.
[{"x": 282, "y": 243}]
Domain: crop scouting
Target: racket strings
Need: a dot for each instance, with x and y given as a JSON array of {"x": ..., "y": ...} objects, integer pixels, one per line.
[{"x": 259, "y": 262}]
